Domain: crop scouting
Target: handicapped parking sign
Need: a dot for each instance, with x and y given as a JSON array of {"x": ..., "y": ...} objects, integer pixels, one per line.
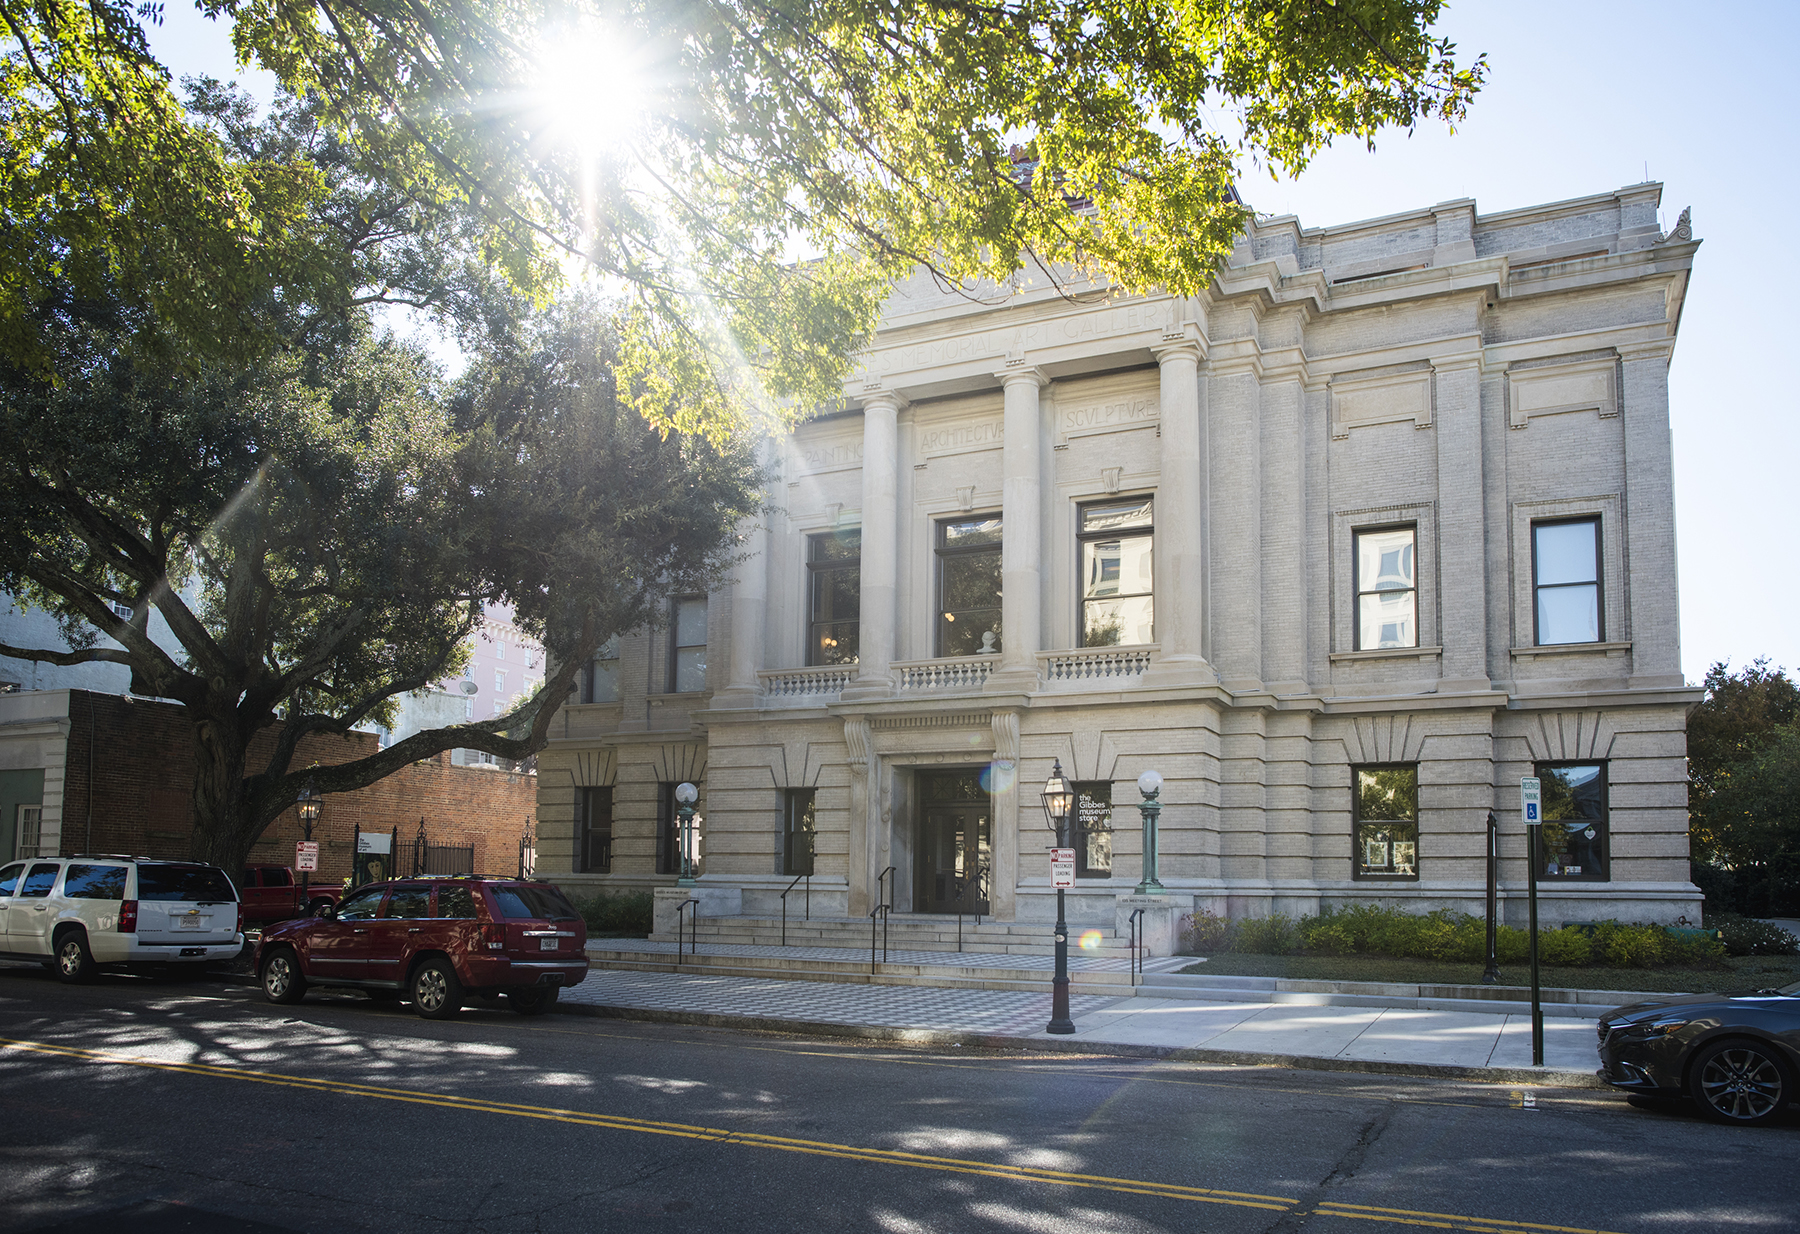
[{"x": 1531, "y": 800}]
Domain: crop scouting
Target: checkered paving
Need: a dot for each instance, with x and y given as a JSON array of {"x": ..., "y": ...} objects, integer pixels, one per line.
[
  {"x": 942, "y": 959},
  {"x": 923, "y": 1007}
]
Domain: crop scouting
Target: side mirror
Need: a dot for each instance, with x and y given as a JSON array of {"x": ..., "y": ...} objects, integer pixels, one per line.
[{"x": 327, "y": 912}]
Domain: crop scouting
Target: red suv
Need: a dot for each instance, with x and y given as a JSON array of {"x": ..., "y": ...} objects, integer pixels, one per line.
[{"x": 436, "y": 941}]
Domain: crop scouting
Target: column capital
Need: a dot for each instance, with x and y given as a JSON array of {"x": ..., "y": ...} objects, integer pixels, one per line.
[
  {"x": 1178, "y": 348},
  {"x": 1021, "y": 373},
  {"x": 890, "y": 399}
]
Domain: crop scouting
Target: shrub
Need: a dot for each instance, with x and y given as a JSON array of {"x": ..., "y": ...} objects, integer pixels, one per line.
[
  {"x": 1628, "y": 946},
  {"x": 1272, "y": 935},
  {"x": 1748, "y": 936},
  {"x": 1324, "y": 935},
  {"x": 1567, "y": 946},
  {"x": 618, "y": 912},
  {"x": 1210, "y": 934}
]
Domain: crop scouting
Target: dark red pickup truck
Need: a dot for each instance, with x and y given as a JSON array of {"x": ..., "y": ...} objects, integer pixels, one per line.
[{"x": 273, "y": 893}]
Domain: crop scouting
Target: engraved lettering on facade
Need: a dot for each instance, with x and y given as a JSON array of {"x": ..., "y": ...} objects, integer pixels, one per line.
[
  {"x": 960, "y": 437},
  {"x": 1107, "y": 415}
]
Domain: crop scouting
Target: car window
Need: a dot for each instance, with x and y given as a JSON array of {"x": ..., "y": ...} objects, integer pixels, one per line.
[
  {"x": 190, "y": 884},
  {"x": 455, "y": 900},
  {"x": 9, "y": 878},
  {"x": 516, "y": 900},
  {"x": 409, "y": 902},
  {"x": 246, "y": 878},
  {"x": 362, "y": 905},
  {"x": 38, "y": 883},
  {"x": 276, "y": 876},
  {"x": 95, "y": 882}
]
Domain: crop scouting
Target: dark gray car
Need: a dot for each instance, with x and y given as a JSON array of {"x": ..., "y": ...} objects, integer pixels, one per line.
[{"x": 1738, "y": 1055}]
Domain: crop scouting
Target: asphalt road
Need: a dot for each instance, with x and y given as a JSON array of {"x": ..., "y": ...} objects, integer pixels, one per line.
[{"x": 135, "y": 1107}]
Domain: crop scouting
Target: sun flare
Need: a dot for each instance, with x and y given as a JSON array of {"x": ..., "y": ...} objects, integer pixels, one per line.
[{"x": 590, "y": 86}]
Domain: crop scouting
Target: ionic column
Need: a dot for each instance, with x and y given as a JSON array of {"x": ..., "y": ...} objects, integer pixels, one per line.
[
  {"x": 880, "y": 546},
  {"x": 749, "y": 604},
  {"x": 1021, "y": 546},
  {"x": 1180, "y": 497}
]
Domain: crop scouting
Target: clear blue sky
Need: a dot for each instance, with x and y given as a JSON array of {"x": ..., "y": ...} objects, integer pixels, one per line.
[{"x": 1584, "y": 98}]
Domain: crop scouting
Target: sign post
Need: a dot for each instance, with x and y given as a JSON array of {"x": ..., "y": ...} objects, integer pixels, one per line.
[
  {"x": 306, "y": 856},
  {"x": 1531, "y": 806}
]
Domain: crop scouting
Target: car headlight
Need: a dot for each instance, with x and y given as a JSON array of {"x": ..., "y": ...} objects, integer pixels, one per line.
[{"x": 1662, "y": 1026}]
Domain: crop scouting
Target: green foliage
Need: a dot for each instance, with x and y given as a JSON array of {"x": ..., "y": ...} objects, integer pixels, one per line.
[
  {"x": 1744, "y": 790},
  {"x": 1748, "y": 936},
  {"x": 628, "y": 913},
  {"x": 879, "y": 133},
  {"x": 1443, "y": 935}
]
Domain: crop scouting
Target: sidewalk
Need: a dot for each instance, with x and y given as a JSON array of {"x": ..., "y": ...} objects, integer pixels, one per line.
[{"x": 1490, "y": 1046}]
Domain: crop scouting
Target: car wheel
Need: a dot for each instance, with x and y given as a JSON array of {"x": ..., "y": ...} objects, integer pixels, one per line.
[
  {"x": 1741, "y": 1081},
  {"x": 74, "y": 962},
  {"x": 436, "y": 993},
  {"x": 282, "y": 980},
  {"x": 533, "y": 1001}
]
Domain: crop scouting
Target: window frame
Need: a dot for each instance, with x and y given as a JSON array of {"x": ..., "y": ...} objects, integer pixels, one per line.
[
  {"x": 590, "y": 677},
  {"x": 1357, "y": 591},
  {"x": 792, "y": 799},
  {"x": 940, "y": 553},
  {"x": 675, "y": 649},
  {"x": 1357, "y": 823},
  {"x": 586, "y": 833},
  {"x": 1083, "y": 538},
  {"x": 1605, "y": 838},
  {"x": 1595, "y": 519},
  {"x": 815, "y": 571}
]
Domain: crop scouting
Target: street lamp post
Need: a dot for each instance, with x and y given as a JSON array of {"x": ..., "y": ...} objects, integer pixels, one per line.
[
  {"x": 1149, "y": 784},
  {"x": 309, "y": 805},
  {"x": 1059, "y": 799},
  {"x": 685, "y": 797}
]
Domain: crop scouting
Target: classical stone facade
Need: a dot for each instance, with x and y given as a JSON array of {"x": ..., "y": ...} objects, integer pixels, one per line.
[{"x": 1342, "y": 549}]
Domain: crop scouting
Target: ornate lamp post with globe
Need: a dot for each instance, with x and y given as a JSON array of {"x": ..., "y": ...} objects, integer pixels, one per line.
[
  {"x": 1149, "y": 784},
  {"x": 685, "y": 797},
  {"x": 1059, "y": 800}
]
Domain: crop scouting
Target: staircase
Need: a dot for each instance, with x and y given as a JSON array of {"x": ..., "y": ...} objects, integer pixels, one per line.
[{"x": 910, "y": 932}]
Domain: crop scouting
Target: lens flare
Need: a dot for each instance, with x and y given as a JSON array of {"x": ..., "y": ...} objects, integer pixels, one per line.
[
  {"x": 998, "y": 777},
  {"x": 1090, "y": 941}
]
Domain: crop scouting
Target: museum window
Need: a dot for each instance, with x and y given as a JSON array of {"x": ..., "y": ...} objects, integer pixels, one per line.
[
  {"x": 968, "y": 563},
  {"x": 668, "y": 844},
  {"x": 1387, "y": 587},
  {"x": 600, "y": 683},
  {"x": 1565, "y": 576},
  {"x": 687, "y": 645},
  {"x": 799, "y": 827},
  {"x": 1386, "y": 823},
  {"x": 1116, "y": 565},
  {"x": 834, "y": 581},
  {"x": 1093, "y": 835},
  {"x": 593, "y": 831},
  {"x": 1574, "y": 845}
]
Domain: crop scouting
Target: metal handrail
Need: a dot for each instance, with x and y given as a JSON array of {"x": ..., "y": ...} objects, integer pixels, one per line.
[
  {"x": 880, "y": 910},
  {"x": 784, "y": 896},
  {"x": 1137, "y": 953},
  {"x": 694, "y": 922},
  {"x": 884, "y": 890},
  {"x": 962, "y": 885}
]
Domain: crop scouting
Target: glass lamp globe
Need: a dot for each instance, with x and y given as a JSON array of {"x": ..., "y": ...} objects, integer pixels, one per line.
[
  {"x": 686, "y": 793},
  {"x": 1150, "y": 783}
]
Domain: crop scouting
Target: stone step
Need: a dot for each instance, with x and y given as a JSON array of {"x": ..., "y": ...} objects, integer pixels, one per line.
[{"x": 915, "y": 931}]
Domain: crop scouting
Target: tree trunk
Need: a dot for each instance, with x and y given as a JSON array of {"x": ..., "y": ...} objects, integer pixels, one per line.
[{"x": 224, "y": 827}]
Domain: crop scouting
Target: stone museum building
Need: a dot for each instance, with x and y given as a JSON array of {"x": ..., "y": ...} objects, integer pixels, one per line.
[{"x": 1342, "y": 549}]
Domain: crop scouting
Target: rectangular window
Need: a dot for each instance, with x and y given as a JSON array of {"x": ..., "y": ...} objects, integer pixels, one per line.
[
  {"x": 600, "y": 683},
  {"x": 1116, "y": 563},
  {"x": 834, "y": 578},
  {"x": 593, "y": 831},
  {"x": 668, "y": 844},
  {"x": 1093, "y": 834},
  {"x": 799, "y": 827},
  {"x": 499, "y": 651},
  {"x": 28, "y": 825},
  {"x": 1565, "y": 576},
  {"x": 1574, "y": 842},
  {"x": 1386, "y": 822},
  {"x": 1387, "y": 588},
  {"x": 687, "y": 645},
  {"x": 500, "y": 682},
  {"x": 968, "y": 560}
]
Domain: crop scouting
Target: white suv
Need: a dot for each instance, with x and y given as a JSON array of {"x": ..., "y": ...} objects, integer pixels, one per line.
[{"x": 79, "y": 912}]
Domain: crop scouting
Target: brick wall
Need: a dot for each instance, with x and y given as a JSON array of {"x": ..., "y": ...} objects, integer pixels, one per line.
[{"x": 142, "y": 793}]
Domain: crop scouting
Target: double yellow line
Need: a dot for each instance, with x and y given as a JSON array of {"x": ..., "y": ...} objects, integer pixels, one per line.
[{"x": 817, "y": 1148}]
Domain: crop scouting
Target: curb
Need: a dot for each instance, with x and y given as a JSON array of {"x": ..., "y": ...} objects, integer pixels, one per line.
[{"x": 1542, "y": 1077}]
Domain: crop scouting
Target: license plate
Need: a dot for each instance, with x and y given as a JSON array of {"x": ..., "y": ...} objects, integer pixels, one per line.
[
  {"x": 193, "y": 951},
  {"x": 548, "y": 944},
  {"x": 187, "y": 921}
]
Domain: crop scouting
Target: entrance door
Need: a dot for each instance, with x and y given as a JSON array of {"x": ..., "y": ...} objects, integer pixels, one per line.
[{"x": 955, "y": 854}]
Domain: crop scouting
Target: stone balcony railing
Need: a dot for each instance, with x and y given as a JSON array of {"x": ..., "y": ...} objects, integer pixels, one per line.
[
  {"x": 936, "y": 676},
  {"x": 1094, "y": 668},
  {"x": 805, "y": 687}
]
